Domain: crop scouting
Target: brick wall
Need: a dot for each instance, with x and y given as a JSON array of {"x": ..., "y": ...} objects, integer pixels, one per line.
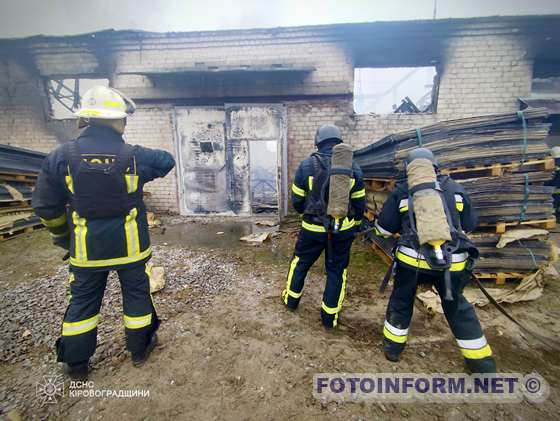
[
  {"x": 304, "y": 117},
  {"x": 484, "y": 75},
  {"x": 22, "y": 113},
  {"x": 152, "y": 127},
  {"x": 332, "y": 74}
]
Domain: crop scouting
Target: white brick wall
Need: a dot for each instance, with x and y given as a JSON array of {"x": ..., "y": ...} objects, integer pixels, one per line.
[
  {"x": 152, "y": 127},
  {"x": 484, "y": 75}
]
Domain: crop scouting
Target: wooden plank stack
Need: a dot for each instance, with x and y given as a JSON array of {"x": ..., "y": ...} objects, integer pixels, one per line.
[
  {"x": 19, "y": 169},
  {"x": 502, "y": 161}
]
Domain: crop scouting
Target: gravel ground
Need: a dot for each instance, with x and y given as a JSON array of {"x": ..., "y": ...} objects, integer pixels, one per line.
[{"x": 32, "y": 311}]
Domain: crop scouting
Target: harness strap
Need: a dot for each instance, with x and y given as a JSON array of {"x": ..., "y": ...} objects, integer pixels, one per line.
[
  {"x": 424, "y": 186},
  {"x": 123, "y": 158},
  {"x": 343, "y": 171},
  {"x": 73, "y": 156}
]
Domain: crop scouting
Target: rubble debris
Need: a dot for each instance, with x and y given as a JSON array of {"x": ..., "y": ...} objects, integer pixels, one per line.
[
  {"x": 520, "y": 234},
  {"x": 529, "y": 289},
  {"x": 407, "y": 106},
  {"x": 153, "y": 221},
  {"x": 257, "y": 238},
  {"x": 25, "y": 305},
  {"x": 157, "y": 278},
  {"x": 267, "y": 223}
]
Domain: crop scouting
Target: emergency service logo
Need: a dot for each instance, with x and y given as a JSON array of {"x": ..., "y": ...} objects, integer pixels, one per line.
[{"x": 50, "y": 389}]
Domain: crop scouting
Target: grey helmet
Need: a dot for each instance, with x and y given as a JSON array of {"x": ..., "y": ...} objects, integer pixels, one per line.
[
  {"x": 421, "y": 153},
  {"x": 326, "y": 132}
]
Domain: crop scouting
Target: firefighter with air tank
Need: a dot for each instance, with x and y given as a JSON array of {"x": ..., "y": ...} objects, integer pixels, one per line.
[
  {"x": 432, "y": 213},
  {"x": 89, "y": 196},
  {"x": 328, "y": 191}
]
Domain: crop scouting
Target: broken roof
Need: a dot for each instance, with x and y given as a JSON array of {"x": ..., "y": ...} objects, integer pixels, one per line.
[{"x": 522, "y": 23}]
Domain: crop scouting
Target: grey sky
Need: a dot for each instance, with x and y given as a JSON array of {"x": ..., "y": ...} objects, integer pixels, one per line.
[{"x": 20, "y": 18}]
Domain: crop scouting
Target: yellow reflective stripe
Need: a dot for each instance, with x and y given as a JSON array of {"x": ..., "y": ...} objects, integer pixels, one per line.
[
  {"x": 288, "y": 291},
  {"x": 329, "y": 310},
  {"x": 352, "y": 183},
  {"x": 342, "y": 290},
  {"x": 346, "y": 225},
  {"x": 110, "y": 262},
  {"x": 114, "y": 104},
  {"x": 298, "y": 191},
  {"x": 82, "y": 326},
  {"x": 460, "y": 206},
  {"x": 69, "y": 183},
  {"x": 55, "y": 222},
  {"x": 358, "y": 194},
  {"x": 403, "y": 209},
  {"x": 312, "y": 227},
  {"x": 137, "y": 322},
  {"x": 422, "y": 264},
  {"x": 80, "y": 234},
  {"x": 131, "y": 182},
  {"x": 336, "y": 310},
  {"x": 310, "y": 182},
  {"x": 393, "y": 337},
  {"x": 476, "y": 354},
  {"x": 131, "y": 230}
]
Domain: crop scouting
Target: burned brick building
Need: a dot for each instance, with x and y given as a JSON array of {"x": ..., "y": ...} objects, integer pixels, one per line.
[{"x": 239, "y": 109}]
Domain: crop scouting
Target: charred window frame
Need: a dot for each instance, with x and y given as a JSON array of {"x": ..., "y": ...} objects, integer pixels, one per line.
[
  {"x": 546, "y": 78},
  {"x": 387, "y": 90},
  {"x": 64, "y": 94}
]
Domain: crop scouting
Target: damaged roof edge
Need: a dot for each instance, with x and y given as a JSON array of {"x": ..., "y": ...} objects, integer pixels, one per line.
[{"x": 528, "y": 20}]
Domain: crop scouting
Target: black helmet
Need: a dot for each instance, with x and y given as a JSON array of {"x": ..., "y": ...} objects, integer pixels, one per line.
[
  {"x": 421, "y": 153},
  {"x": 326, "y": 132}
]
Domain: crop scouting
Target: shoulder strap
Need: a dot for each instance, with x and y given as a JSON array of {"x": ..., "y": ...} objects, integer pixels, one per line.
[
  {"x": 73, "y": 155},
  {"x": 123, "y": 158}
]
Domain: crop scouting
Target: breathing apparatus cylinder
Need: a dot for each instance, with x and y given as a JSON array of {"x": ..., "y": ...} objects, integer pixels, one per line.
[
  {"x": 432, "y": 226},
  {"x": 431, "y": 221},
  {"x": 340, "y": 183}
]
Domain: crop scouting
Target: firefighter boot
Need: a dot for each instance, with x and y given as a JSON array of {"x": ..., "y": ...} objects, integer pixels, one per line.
[
  {"x": 139, "y": 358},
  {"x": 392, "y": 350},
  {"x": 77, "y": 371},
  {"x": 485, "y": 365}
]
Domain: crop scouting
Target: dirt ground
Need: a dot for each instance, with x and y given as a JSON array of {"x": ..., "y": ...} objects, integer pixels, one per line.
[{"x": 229, "y": 350}]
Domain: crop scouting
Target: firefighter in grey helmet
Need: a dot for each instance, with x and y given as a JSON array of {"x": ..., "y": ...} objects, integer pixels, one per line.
[{"x": 449, "y": 271}]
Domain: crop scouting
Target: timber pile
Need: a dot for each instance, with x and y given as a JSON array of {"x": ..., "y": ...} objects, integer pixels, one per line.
[
  {"x": 502, "y": 161},
  {"x": 19, "y": 169}
]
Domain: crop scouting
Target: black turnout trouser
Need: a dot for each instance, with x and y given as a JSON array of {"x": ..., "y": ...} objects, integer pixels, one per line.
[
  {"x": 459, "y": 313},
  {"x": 79, "y": 328},
  {"x": 310, "y": 245}
]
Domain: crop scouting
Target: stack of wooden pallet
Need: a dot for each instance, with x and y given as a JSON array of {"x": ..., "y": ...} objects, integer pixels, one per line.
[
  {"x": 502, "y": 161},
  {"x": 19, "y": 169}
]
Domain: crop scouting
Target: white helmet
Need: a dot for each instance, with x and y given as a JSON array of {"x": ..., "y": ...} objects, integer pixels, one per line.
[{"x": 107, "y": 103}]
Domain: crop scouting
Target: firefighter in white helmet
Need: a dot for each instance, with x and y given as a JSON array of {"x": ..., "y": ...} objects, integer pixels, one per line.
[{"x": 89, "y": 196}]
